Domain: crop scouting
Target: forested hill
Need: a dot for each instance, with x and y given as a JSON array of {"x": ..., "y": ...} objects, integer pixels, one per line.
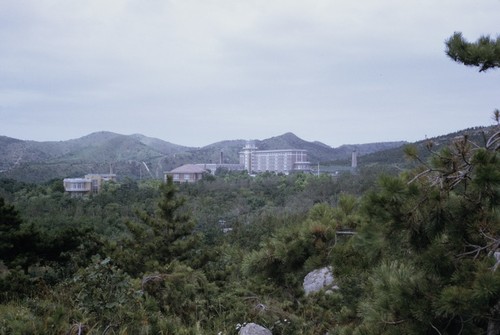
[
  {"x": 424, "y": 148},
  {"x": 95, "y": 153},
  {"x": 317, "y": 152},
  {"x": 138, "y": 156},
  {"x": 320, "y": 152}
]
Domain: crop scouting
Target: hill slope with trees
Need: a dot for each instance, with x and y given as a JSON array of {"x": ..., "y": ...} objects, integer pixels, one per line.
[{"x": 137, "y": 156}]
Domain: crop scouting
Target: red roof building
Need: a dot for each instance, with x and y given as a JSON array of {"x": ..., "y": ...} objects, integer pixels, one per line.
[{"x": 189, "y": 173}]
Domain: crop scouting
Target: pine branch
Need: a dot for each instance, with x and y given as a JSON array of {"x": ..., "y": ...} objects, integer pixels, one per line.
[
  {"x": 419, "y": 175},
  {"x": 153, "y": 278},
  {"x": 393, "y": 322},
  {"x": 110, "y": 326},
  {"x": 437, "y": 330},
  {"x": 492, "y": 247},
  {"x": 484, "y": 53},
  {"x": 79, "y": 327},
  {"x": 492, "y": 141}
]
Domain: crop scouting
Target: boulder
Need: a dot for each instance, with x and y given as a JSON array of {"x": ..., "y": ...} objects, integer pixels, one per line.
[
  {"x": 497, "y": 259},
  {"x": 254, "y": 329},
  {"x": 318, "y": 280}
]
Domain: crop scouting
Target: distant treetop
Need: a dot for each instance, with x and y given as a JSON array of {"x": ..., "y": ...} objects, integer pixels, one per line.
[{"x": 484, "y": 53}]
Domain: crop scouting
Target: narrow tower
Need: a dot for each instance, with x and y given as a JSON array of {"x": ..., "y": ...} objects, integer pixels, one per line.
[
  {"x": 246, "y": 156},
  {"x": 354, "y": 159}
]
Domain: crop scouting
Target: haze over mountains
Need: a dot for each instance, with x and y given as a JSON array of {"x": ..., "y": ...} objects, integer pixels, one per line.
[{"x": 137, "y": 156}]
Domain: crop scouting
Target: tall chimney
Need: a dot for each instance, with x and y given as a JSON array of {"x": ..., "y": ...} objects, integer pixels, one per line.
[
  {"x": 354, "y": 159},
  {"x": 221, "y": 157}
]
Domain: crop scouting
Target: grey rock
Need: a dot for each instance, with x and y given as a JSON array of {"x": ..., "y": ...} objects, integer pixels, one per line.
[
  {"x": 497, "y": 258},
  {"x": 254, "y": 329},
  {"x": 319, "y": 279}
]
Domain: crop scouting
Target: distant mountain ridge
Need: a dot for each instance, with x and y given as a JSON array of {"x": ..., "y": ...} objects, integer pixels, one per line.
[
  {"x": 396, "y": 157},
  {"x": 139, "y": 156}
]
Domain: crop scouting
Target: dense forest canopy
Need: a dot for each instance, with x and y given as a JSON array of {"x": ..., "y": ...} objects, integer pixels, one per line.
[{"x": 413, "y": 251}]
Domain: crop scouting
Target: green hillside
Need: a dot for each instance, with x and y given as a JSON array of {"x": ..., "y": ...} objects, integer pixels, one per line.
[{"x": 140, "y": 157}]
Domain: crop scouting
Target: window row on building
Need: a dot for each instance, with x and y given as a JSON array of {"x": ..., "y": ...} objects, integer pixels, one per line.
[
  {"x": 280, "y": 161},
  {"x": 90, "y": 183}
]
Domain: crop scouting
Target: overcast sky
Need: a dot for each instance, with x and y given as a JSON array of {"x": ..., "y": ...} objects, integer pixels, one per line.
[{"x": 194, "y": 72}]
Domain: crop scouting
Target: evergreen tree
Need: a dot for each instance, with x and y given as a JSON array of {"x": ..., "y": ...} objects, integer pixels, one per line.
[
  {"x": 292, "y": 251},
  {"x": 425, "y": 248},
  {"x": 484, "y": 53},
  {"x": 158, "y": 239},
  {"x": 10, "y": 225},
  {"x": 18, "y": 243},
  {"x": 174, "y": 229}
]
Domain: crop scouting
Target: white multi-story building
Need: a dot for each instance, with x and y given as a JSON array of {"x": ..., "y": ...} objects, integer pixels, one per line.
[
  {"x": 280, "y": 161},
  {"x": 91, "y": 183}
]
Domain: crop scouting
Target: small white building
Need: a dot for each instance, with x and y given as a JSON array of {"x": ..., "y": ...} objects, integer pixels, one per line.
[{"x": 91, "y": 183}]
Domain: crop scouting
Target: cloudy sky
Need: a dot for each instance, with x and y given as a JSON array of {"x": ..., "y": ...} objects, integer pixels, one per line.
[{"x": 194, "y": 72}]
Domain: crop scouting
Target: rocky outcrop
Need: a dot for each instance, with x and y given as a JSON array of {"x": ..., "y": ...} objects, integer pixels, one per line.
[
  {"x": 254, "y": 329},
  {"x": 318, "y": 280}
]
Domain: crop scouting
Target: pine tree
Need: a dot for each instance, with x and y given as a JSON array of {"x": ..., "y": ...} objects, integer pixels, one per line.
[
  {"x": 429, "y": 238},
  {"x": 484, "y": 53},
  {"x": 173, "y": 230},
  {"x": 157, "y": 239},
  {"x": 18, "y": 243},
  {"x": 10, "y": 225}
]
